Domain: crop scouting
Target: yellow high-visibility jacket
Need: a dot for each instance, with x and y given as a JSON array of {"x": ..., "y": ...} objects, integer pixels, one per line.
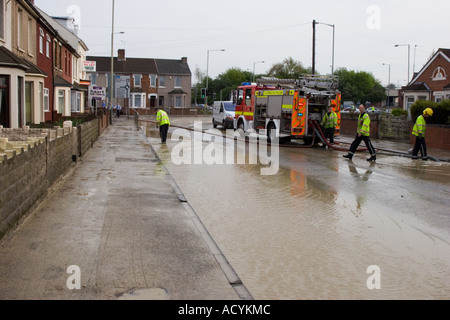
[
  {"x": 162, "y": 118},
  {"x": 330, "y": 120},
  {"x": 364, "y": 124},
  {"x": 420, "y": 127}
]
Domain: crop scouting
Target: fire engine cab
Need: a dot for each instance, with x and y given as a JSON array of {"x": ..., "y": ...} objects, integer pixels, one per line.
[{"x": 285, "y": 108}]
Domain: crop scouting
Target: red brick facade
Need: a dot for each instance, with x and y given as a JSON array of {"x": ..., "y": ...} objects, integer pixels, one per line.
[
  {"x": 431, "y": 83},
  {"x": 45, "y": 63}
]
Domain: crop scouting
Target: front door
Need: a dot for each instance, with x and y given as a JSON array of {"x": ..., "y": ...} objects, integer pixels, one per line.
[{"x": 4, "y": 101}]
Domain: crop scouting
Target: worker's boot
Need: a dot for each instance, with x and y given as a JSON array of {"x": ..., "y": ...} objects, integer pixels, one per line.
[
  {"x": 372, "y": 158},
  {"x": 348, "y": 156}
]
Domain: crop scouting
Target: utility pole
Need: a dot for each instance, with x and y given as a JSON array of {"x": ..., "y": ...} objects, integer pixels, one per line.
[{"x": 314, "y": 48}]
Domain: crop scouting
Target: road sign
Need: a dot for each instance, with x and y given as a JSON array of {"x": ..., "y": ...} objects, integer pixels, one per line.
[
  {"x": 122, "y": 87},
  {"x": 97, "y": 93}
]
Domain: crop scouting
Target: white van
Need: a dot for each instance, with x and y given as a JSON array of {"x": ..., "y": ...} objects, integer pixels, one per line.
[{"x": 223, "y": 114}]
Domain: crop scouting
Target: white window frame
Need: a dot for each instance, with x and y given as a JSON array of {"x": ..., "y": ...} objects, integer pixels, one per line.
[
  {"x": 76, "y": 101},
  {"x": 47, "y": 45},
  {"x": 142, "y": 100},
  {"x": 2, "y": 20},
  {"x": 137, "y": 84},
  {"x": 153, "y": 78},
  {"x": 61, "y": 101},
  {"x": 41, "y": 40},
  {"x": 46, "y": 100}
]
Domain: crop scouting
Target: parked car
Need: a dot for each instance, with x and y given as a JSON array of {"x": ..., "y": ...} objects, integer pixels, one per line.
[
  {"x": 350, "y": 110},
  {"x": 373, "y": 110}
]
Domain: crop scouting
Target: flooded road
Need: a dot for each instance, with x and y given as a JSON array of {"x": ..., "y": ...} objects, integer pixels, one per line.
[{"x": 316, "y": 228}]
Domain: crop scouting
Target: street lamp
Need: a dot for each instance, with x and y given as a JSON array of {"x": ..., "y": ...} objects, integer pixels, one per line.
[
  {"x": 386, "y": 64},
  {"x": 409, "y": 49},
  {"x": 207, "y": 74},
  {"x": 333, "y": 26},
  {"x": 414, "y": 63},
  {"x": 254, "y": 66}
]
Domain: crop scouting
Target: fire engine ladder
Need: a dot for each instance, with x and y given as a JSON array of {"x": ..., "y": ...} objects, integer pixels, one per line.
[
  {"x": 328, "y": 82},
  {"x": 267, "y": 81}
]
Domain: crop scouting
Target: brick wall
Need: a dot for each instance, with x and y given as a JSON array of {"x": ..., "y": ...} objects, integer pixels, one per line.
[
  {"x": 38, "y": 160},
  {"x": 32, "y": 160},
  {"x": 388, "y": 127}
]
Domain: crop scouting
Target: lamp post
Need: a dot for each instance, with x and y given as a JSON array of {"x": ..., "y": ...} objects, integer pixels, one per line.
[
  {"x": 414, "y": 63},
  {"x": 207, "y": 76},
  {"x": 409, "y": 56},
  {"x": 386, "y": 64},
  {"x": 111, "y": 89},
  {"x": 254, "y": 68},
  {"x": 332, "y": 54}
]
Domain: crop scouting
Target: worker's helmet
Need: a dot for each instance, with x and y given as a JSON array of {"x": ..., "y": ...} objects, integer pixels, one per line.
[{"x": 428, "y": 111}]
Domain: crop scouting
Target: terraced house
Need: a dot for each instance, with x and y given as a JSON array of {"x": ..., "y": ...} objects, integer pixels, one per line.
[
  {"x": 40, "y": 64},
  {"x": 152, "y": 82}
]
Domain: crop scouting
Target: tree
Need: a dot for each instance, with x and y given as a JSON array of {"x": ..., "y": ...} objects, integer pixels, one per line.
[
  {"x": 359, "y": 86},
  {"x": 288, "y": 69}
]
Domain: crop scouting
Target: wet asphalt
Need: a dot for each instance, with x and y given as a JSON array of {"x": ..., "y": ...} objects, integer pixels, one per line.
[{"x": 116, "y": 227}]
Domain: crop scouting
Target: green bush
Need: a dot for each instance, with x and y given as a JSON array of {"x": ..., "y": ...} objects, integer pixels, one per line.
[
  {"x": 399, "y": 112},
  {"x": 441, "y": 111}
]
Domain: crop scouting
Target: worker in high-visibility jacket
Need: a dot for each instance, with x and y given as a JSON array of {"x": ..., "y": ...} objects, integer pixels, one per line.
[
  {"x": 363, "y": 134},
  {"x": 330, "y": 122},
  {"x": 419, "y": 131},
  {"x": 163, "y": 123}
]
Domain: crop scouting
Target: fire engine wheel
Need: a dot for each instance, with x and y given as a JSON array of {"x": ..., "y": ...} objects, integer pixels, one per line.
[{"x": 241, "y": 126}]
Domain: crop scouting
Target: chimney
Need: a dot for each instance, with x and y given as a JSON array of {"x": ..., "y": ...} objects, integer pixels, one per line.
[
  {"x": 121, "y": 55},
  {"x": 184, "y": 59}
]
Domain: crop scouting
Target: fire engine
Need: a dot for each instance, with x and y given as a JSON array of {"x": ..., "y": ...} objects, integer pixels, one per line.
[{"x": 287, "y": 108}]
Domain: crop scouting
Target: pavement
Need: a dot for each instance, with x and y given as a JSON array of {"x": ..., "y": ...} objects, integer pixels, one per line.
[{"x": 116, "y": 227}]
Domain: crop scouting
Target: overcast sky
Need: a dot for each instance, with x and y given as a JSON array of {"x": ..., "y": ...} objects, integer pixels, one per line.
[{"x": 366, "y": 32}]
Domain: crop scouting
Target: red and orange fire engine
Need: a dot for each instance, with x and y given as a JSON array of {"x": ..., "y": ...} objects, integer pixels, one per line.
[{"x": 285, "y": 108}]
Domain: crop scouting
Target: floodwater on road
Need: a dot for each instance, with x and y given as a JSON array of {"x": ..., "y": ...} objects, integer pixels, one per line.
[{"x": 323, "y": 227}]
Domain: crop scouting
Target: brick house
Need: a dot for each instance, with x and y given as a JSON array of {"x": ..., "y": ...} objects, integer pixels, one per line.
[
  {"x": 69, "y": 56},
  {"x": 21, "y": 80},
  {"x": 431, "y": 83},
  {"x": 153, "y": 82}
]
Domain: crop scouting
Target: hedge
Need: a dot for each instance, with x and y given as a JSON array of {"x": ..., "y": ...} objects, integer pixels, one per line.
[{"x": 441, "y": 111}]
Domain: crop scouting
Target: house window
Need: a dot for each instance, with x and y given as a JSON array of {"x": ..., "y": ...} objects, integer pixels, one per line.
[
  {"x": 161, "y": 102},
  {"x": 409, "y": 102},
  {"x": 153, "y": 81},
  {"x": 61, "y": 101},
  {"x": 177, "y": 82},
  {"x": 46, "y": 100},
  {"x": 41, "y": 41},
  {"x": 76, "y": 101},
  {"x": 19, "y": 29},
  {"x": 47, "y": 46},
  {"x": 138, "y": 100},
  {"x": 178, "y": 102},
  {"x": 2, "y": 19},
  {"x": 93, "y": 78},
  {"x": 162, "y": 81},
  {"x": 31, "y": 47},
  {"x": 137, "y": 80}
]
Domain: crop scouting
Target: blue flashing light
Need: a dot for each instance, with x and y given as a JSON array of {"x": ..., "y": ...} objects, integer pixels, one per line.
[{"x": 246, "y": 84}]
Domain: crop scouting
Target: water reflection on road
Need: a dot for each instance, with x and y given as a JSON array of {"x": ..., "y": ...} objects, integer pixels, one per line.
[{"x": 312, "y": 230}]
